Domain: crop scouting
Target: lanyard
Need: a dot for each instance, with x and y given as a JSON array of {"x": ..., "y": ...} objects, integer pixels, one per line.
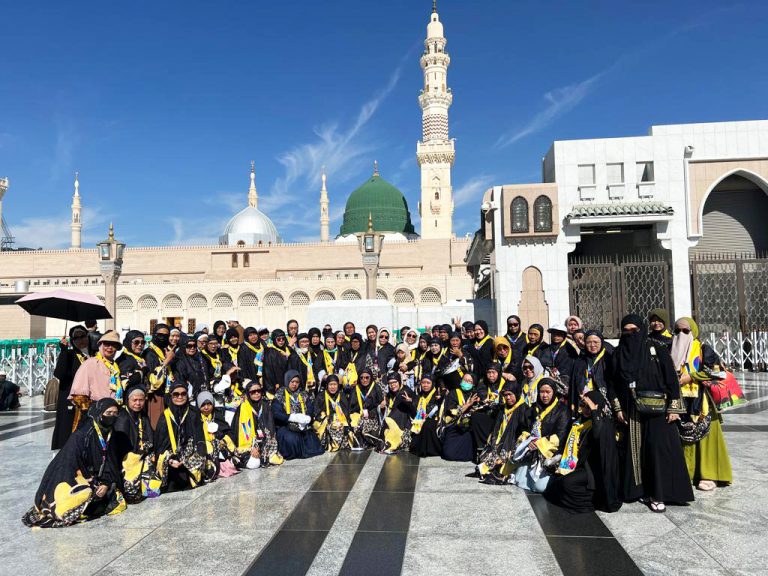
[
  {"x": 506, "y": 418},
  {"x": 288, "y": 402}
]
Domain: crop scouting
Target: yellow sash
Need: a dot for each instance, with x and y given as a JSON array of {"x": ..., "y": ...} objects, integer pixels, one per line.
[
  {"x": 571, "y": 453},
  {"x": 336, "y": 409},
  {"x": 288, "y": 403},
  {"x": 330, "y": 367},
  {"x": 168, "y": 422},
  {"x": 505, "y": 419},
  {"x": 308, "y": 364},
  {"x": 590, "y": 370},
  {"x": 536, "y": 429}
]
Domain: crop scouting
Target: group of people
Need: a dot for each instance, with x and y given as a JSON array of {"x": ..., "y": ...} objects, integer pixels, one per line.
[{"x": 588, "y": 425}]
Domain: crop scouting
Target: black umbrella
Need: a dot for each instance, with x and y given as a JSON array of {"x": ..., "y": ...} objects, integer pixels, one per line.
[{"x": 64, "y": 305}]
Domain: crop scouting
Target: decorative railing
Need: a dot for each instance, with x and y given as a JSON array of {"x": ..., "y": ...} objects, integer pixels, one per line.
[
  {"x": 741, "y": 351},
  {"x": 31, "y": 367}
]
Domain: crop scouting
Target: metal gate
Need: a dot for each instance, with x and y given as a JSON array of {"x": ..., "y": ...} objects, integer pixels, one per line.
[
  {"x": 605, "y": 288},
  {"x": 730, "y": 292}
]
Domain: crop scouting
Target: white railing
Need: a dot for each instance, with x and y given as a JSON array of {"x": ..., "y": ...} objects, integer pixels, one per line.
[
  {"x": 31, "y": 370},
  {"x": 741, "y": 351}
]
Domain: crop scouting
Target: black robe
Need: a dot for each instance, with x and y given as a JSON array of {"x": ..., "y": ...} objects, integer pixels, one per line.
[
  {"x": 653, "y": 463},
  {"x": 563, "y": 358},
  {"x": 601, "y": 379},
  {"x": 276, "y": 363},
  {"x": 64, "y": 494},
  {"x": 294, "y": 443},
  {"x": 458, "y": 441},
  {"x": 595, "y": 483},
  {"x": 126, "y": 434},
  {"x": 483, "y": 355},
  {"x": 190, "y": 445},
  {"x": 193, "y": 371},
  {"x": 66, "y": 366},
  {"x": 557, "y": 422},
  {"x": 517, "y": 346},
  {"x": 427, "y": 442},
  {"x": 246, "y": 360},
  {"x": 295, "y": 362}
]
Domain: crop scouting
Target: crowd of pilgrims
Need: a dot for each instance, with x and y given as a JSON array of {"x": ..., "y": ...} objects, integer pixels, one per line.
[{"x": 588, "y": 425}]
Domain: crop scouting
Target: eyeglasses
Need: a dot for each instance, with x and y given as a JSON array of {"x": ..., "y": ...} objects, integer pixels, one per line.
[
  {"x": 179, "y": 394},
  {"x": 683, "y": 330},
  {"x": 138, "y": 341}
]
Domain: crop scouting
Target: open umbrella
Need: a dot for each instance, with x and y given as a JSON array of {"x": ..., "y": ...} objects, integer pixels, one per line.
[{"x": 64, "y": 305}]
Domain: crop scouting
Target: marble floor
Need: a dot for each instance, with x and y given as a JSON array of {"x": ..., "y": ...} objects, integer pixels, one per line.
[{"x": 366, "y": 513}]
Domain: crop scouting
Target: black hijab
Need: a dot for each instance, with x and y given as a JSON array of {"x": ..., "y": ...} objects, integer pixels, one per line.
[
  {"x": 96, "y": 411},
  {"x": 129, "y": 337},
  {"x": 632, "y": 349},
  {"x": 602, "y": 342}
]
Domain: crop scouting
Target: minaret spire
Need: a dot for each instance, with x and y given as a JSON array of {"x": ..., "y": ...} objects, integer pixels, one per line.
[
  {"x": 253, "y": 196},
  {"x": 375, "y": 167},
  {"x": 324, "y": 203},
  {"x": 435, "y": 152},
  {"x": 76, "y": 226}
]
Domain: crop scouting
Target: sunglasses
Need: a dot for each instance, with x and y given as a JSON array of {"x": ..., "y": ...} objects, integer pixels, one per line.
[
  {"x": 109, "y": 345},
  {"x": 513, "y": 324},
  {"x": 527, "y": 368},
  {"x": 255, "y": 391},
  {"x": 683, "y": 330},
  {"x": 179, "y": 394},
  {"x": 138, "y": 341},
  {"x": 191, "y": 345},
  {"x": 383, "y": 337}
]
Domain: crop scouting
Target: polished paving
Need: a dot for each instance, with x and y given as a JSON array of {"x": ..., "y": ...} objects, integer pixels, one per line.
[{"x": 369, "y": 514}]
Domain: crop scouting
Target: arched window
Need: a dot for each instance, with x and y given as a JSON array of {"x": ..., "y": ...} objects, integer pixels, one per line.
[
  {"x": 222, "y": 301},
  {"x": 351, "y": 295},
  {"x": 519, "y": 215},
  {"x": 403, "y": 296},
  {"x": 248, "y": 299},
  {"x": 197, "y": 301},
  {"x": 542, "y": 214},
  {"x": 124, "y": 303},
  {"x": 381, "y": 295},
  {"x": 147, "y": 303},
  {"x": 299, "y": 299},
  {"x": 274, "y": 299},
  {"x": 324, "y": 296},
  {"x": 430, "y": 296},
  {"x": 171, "y": 301}
]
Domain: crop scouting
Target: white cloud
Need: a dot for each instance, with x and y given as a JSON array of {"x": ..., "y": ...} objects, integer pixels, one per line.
[
  {"x": 55, "y": 232},
  {"x": 335, "y": 148},
  {"x": 471, "y": 190},
  {"x": 559, "y": 101},
  {"x": 197, "y": 231},
  {"x": 67, "y": 139}
]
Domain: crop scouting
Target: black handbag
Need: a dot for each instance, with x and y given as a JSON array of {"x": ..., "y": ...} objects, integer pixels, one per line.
[{"x": 650, "y": 403}]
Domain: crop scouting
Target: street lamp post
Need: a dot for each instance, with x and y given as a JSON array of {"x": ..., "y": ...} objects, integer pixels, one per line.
[
  {"x": 370, "y": 247},
  {"x": 110, "y": 266}
]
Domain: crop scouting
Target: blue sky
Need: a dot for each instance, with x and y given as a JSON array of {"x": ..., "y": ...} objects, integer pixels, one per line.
[{"x": 161, "y": 106}]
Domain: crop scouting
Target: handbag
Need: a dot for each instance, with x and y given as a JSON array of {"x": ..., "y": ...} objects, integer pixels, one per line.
[
  {"x": 691, "y": 431},
  {"x": 51, "y": 397},
  {"x": 650, "y": 403}
]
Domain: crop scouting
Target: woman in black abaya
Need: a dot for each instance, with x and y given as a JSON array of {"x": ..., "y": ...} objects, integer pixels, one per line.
[
  {"x": 424, "y": 438},
  {"x": 68, "y": 362},
  {"x": 587, "y": 478},
  {"x": 653, "y": 463},
  {"x": 82, "y": 481}
]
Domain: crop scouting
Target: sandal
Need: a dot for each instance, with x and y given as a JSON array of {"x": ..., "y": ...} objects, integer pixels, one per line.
[{"x": 658, "y": 507}]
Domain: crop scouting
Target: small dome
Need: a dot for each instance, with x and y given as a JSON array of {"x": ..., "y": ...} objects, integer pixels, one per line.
[
  {"x": 385, "y": 204},
  {"x": 435, "y": 27},
  {"x": 249, "y": 226}
]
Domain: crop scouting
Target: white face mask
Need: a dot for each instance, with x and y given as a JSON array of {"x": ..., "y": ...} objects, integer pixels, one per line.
[{"x": 303, "y": 350}]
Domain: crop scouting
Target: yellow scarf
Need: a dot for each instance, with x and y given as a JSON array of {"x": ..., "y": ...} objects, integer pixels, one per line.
[
  {"x": 139, "y": 359},
  {"x": 285, "y": 353},
  {"x": 288, "y": 402},
  {"x": 215, "y": 362},
  {"x": 590, "y": 370},
  {"x": 206, "y": 433},
  {"x": 536, "y": 429},
  {"x": 479, "y": 345},
  {"x": 114, "y": 377},
  {"x": 171, "y": 434},
  {"x": 492, "y": 396},
  {"x": 506, "y": 418},
  {"x": 571, "y": 453},
  {"x": 330, "y": 362},
  {"x": 336, "y": 409},
  {"x": 308, "y": 364},
  {"x": 423, "y": 403},
  {"x": 232, "y": 356},
  {"x": 530, "y": 391},
  {"x": 247, "y": 426}
]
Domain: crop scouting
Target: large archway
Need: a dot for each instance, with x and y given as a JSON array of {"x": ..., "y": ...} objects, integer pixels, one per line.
[
  {"x": 729, "y": 265},
  {"x": 734, "y": 217}
]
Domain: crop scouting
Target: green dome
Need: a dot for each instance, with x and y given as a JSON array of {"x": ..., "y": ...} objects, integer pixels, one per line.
[{"x": 385, "y": 203}]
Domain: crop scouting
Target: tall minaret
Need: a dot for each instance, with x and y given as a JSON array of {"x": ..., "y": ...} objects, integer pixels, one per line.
[
  {"x": 435, "y": 153},
  {"x": 76, "y": 225},
  {"x": 253, "y": 196},
  {"x": 324, "y": 218}
]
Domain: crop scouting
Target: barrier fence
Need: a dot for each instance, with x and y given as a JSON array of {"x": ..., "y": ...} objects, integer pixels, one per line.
[{"x": 30, "y": 363}]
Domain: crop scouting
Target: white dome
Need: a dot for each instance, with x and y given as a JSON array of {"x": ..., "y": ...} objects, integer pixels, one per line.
[
  {"x": 250, "y": 226},
  {"x": 435, "y": 27}
]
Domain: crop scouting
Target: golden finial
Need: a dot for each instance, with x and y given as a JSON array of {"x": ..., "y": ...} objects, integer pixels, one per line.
[
  {"x": 111, "y": 231},
  {"x": 370, "y": 222}
]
